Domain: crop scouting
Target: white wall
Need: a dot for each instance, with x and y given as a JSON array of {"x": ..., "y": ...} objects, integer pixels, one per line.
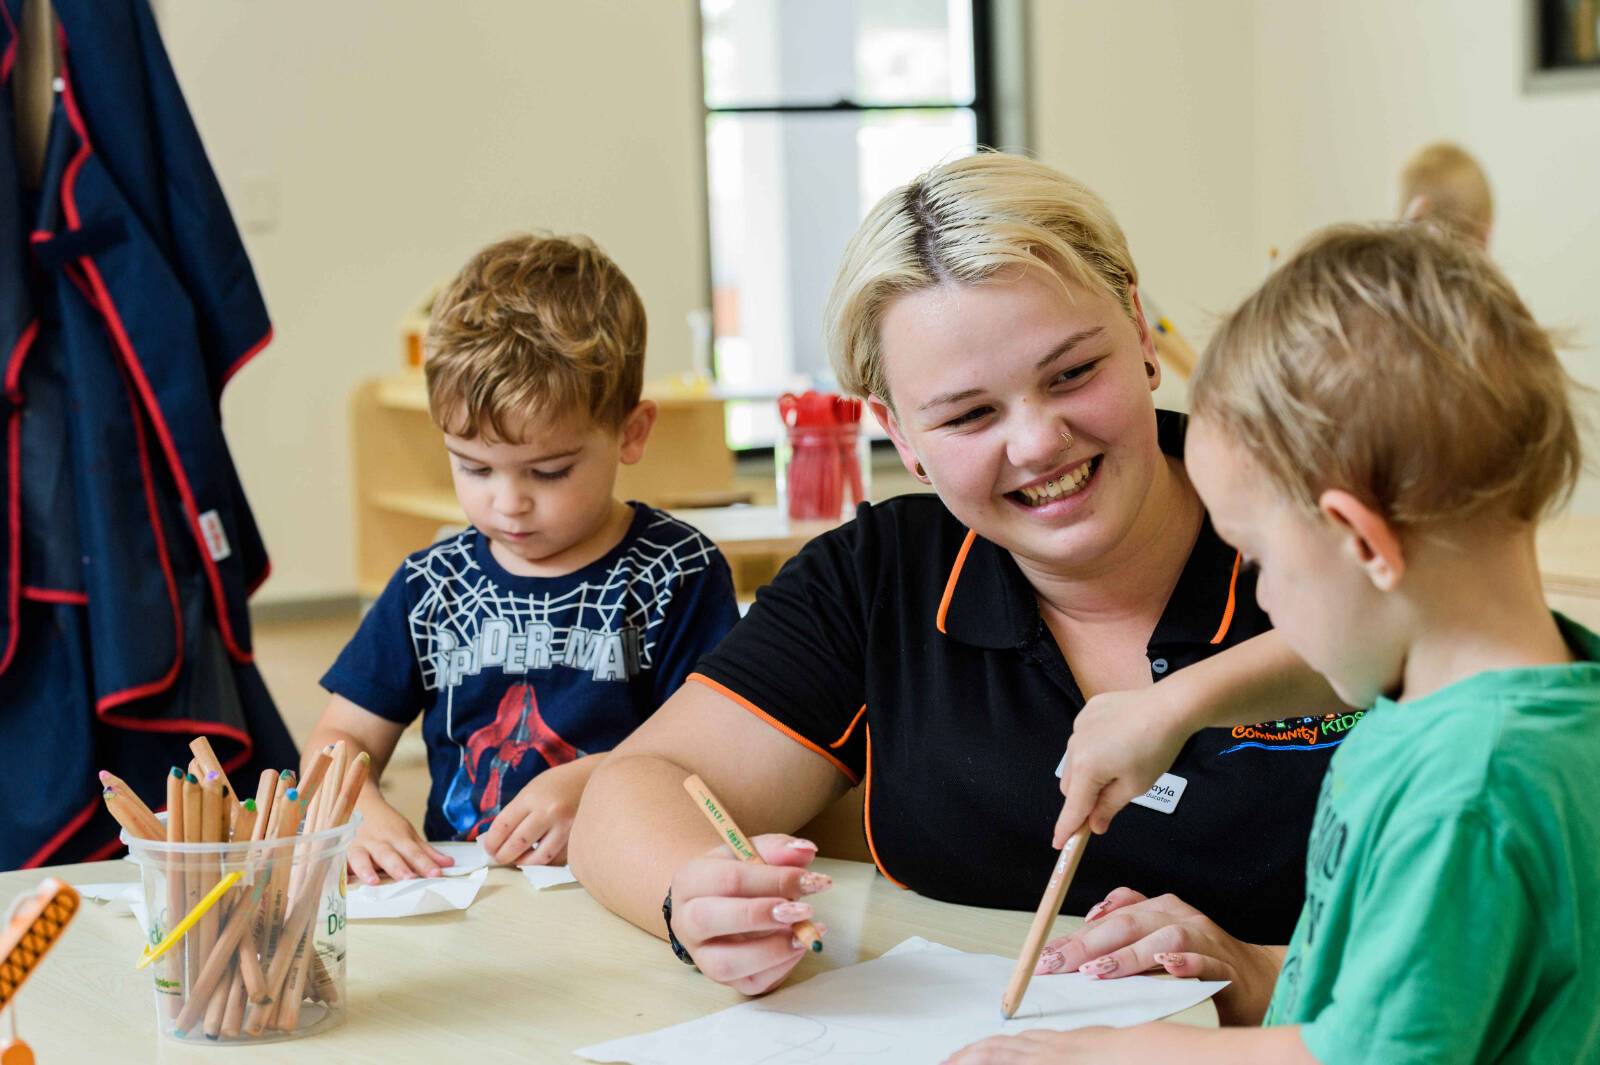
[
  {"x": 400, "y": 136},
  {"x": 1350, "y": 88},
  {"x": 1149, "y": 104},
  {"x": 1219, "y": 130}
]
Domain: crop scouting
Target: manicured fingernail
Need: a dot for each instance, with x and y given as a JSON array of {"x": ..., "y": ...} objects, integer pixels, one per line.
[
  {"x": 790, "y": 912},
  {"x": 1166, "y": 959},
  {"x": 1099, "y": 967},
  {"x": 811, "y": 883},
  {"x": 802, "y": 845},
  {"x": 1095, "y": 911},
  {"x": 1049, "y": 962}
]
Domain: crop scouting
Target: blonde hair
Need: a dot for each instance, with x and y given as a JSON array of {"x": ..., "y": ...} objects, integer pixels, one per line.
[
  {"x": 964, "y": 222},
  {"x": 534, "y": 327},
  {"x": 1396, "y": 363},
  {"x": 1443, "y": 183}
]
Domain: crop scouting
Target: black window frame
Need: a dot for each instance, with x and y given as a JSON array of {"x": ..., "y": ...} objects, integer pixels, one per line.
[{"x": 983, "y": 108}]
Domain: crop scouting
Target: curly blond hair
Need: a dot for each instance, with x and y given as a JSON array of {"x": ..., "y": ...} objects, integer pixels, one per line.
[{"x": 535, "y": 327}]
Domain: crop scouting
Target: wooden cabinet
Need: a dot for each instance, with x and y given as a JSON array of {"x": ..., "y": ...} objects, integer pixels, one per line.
[{"x": 401, "y": 472}]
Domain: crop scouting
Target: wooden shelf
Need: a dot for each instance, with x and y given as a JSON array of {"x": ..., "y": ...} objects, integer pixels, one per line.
[
  {"x": 403, "y": 492},
  {"x": 435, "y": 506},
  {"x": 1569, "y": 555}
]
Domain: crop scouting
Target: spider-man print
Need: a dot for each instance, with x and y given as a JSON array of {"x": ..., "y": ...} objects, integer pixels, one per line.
[
  {"x": 513, "y": 675},
  {"x": 517, "y": 728}
]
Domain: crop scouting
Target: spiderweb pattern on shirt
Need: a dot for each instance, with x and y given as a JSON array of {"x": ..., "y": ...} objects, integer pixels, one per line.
[{"x": 458, "y": 596}]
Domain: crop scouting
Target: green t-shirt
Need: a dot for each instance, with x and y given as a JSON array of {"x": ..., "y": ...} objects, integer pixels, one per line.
[{"x": 1452, "y": 907}]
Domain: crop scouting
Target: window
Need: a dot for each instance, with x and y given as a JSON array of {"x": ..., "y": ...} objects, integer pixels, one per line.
[{"x": 815, "y": 109}]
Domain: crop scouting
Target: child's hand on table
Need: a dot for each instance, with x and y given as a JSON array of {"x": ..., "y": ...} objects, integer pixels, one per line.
[
  {"x": 735, "y": 918},
  {"x": 532, "y": 828},
  {"x": 387, "y": 844},
  {"x": 1128, "y": 934},
  {"x": 1121, "y": 744}
]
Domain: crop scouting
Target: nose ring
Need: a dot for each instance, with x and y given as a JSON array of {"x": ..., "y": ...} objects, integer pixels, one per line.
[{"x": 1066, "y": 439}]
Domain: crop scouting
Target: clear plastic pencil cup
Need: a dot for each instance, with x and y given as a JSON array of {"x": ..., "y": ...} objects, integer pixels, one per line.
[
  {"x": 823, "y": 472},
  {"x": 265, "y": 960}
]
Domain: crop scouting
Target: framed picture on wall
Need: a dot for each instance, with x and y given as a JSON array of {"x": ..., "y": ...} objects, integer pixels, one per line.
[{"x": 1563, "y": 44}]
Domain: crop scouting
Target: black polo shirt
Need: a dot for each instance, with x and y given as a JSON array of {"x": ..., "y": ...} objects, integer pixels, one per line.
[{"x": 911, "y": 654}]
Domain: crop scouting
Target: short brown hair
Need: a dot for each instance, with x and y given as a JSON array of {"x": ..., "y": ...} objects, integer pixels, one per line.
[
  {"x": 1444, "y": 184},
  {"x": 966, "y": 221},
  {"x": 534, "y": 326},
  {"x": 1396, "y": 363}
]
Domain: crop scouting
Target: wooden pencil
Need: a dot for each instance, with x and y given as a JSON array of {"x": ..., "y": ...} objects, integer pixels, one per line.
[
  {"x": 141, "y": 811},
  {"x": 305, "y": 909},
  {"x": 175, "y": 894},
  {"x": 212, "y": 813},
  {"x": 209, "y": 762},
  {"x": 233, "y": 1016},
  {"x": 265, "y": 788},
  {"x": 218, "y": 1004},
  {"x": 729, "y": 833},
  {"x": 1045, "y": 916},
  {"x": 192, "y": 833},
  {"x": 127, "y": 815}
]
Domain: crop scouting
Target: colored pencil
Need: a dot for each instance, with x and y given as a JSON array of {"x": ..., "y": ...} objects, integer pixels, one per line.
[
  {"x": 1049, "y": 907},
  {"x": 729, "y": 833},
  {"x": 175, "y": 890}
]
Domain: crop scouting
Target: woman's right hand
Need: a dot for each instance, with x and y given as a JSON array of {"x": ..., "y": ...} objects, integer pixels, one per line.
[
  {"x": 387, "y": 844},
  {"x": 736, "y": 918},
  {"x": 1127, "y": 934}
]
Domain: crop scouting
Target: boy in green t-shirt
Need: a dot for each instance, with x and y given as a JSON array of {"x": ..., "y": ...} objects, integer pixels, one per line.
[{"x": 1380, "y": 428}]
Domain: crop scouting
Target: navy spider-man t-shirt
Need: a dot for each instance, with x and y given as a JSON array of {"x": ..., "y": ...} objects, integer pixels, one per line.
[{"x": 515, "y": 674}]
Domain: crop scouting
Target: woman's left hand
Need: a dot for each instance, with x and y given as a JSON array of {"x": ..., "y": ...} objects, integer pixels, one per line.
[{"x": 1128, "y": 934}]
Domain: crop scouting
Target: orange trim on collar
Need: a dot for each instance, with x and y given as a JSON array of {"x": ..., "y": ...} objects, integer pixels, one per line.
[
  {"x": 1227, "y": 612},
  {"x": 721, "y": 689},
  {"x": 950, "y": 585},
  {"x": 866, "y": 805},
  {"x": 836, "y": 744}
]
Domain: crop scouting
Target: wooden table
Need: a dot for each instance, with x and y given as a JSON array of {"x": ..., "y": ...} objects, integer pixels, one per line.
[
  {"x": 520, "y": 976},
  {"x": 755, "y": 540}
]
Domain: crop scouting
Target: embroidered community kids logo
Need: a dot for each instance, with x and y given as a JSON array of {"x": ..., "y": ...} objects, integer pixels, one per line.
[{"x": 1294, "y": 733}]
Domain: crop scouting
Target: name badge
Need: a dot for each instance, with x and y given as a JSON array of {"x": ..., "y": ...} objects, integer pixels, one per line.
[{"x": 1163, "y": 797}]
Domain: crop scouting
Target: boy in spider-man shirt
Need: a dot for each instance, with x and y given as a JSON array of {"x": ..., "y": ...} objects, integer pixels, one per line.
[{"x": 545, "y": 633}]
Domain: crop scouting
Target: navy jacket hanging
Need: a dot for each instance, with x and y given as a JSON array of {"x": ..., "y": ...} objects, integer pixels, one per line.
[{"x": 127, "y": 550}]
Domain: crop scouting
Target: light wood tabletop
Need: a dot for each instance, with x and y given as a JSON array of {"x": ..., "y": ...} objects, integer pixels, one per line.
[{"x": 522, "y": 975}]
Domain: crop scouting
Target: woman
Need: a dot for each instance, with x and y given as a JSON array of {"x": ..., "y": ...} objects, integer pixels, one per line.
[{"x": 936, "y": 649}]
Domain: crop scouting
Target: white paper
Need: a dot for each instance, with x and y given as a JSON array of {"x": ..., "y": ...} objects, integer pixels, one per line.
[
  {"x": 121, "y": 898},
  {"x": 118, "y": 896},
  {"x": 412, "y": 898},
  {"x": 470, "y": 857},
  {"x": 920, "y": 1002},
  {"x": 547, "y": 876}
]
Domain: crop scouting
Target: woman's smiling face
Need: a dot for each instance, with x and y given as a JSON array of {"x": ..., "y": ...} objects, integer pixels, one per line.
[{"x": 986, "y": 380}]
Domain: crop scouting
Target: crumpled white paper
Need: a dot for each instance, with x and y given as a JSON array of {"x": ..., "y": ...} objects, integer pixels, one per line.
[
  {"x": 469, "y": 857},
  {"x": 412, "y": 898}
]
